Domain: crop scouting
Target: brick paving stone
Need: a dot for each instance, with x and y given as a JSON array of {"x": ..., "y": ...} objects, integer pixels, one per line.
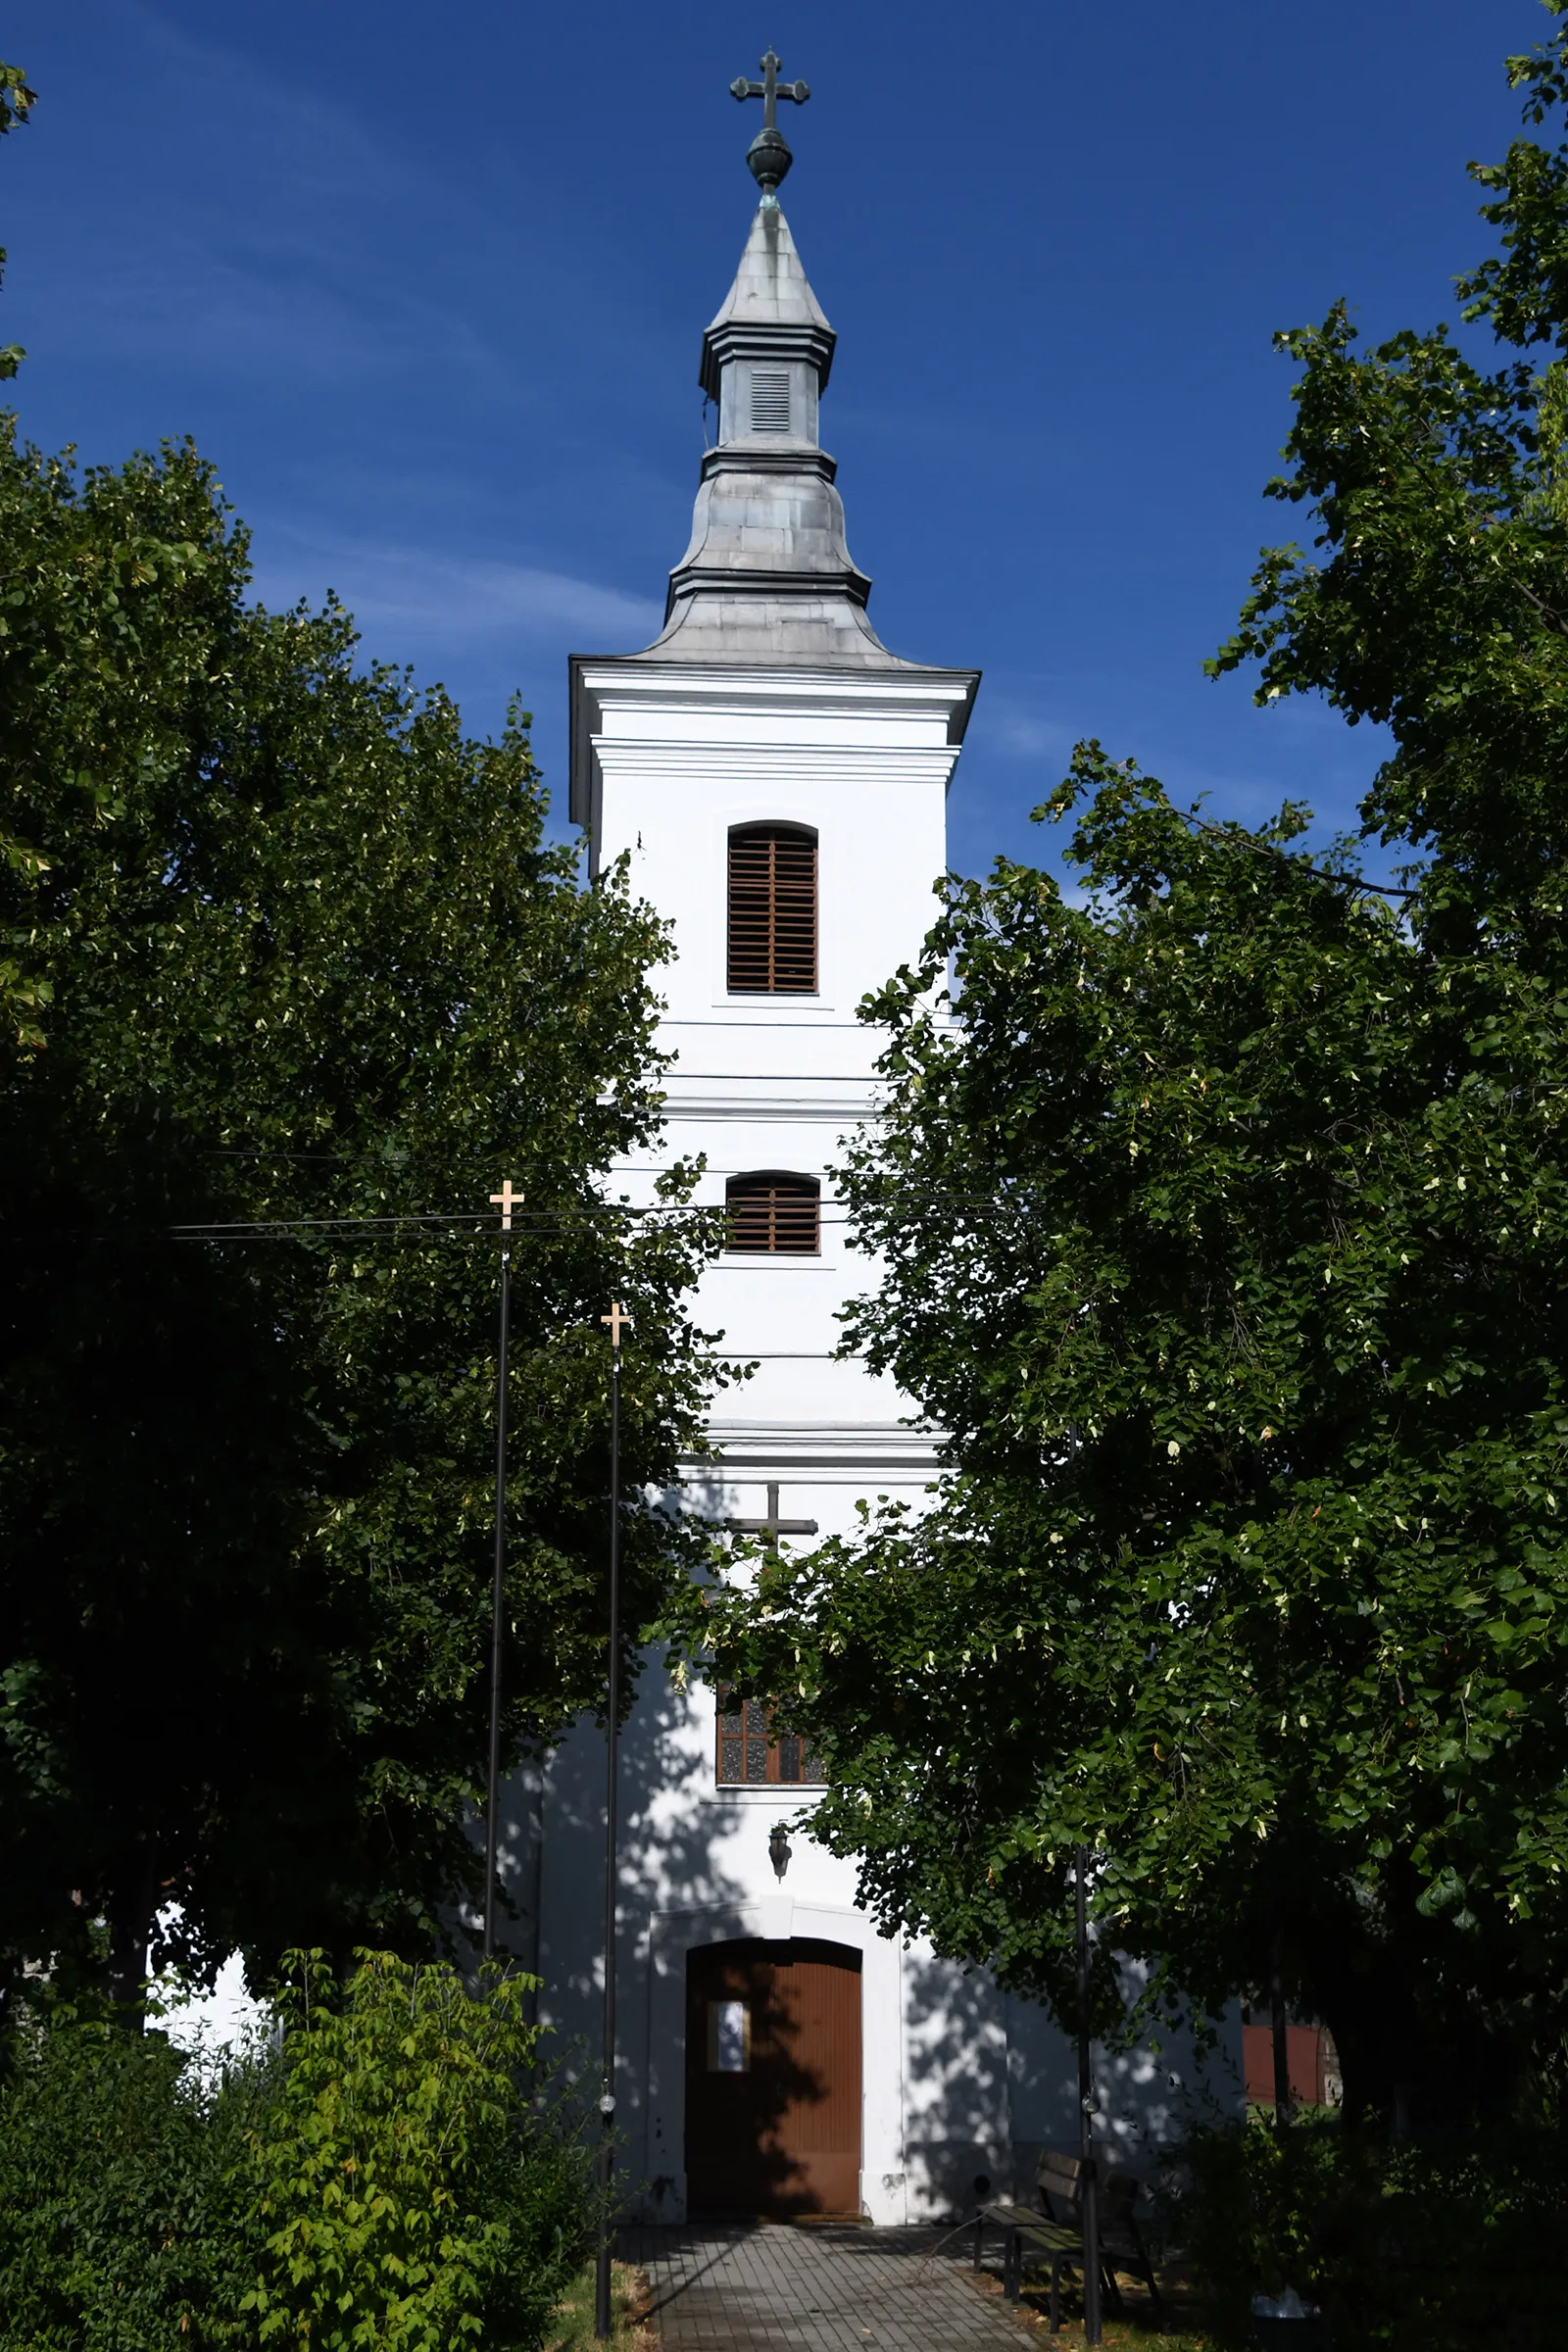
[{"x": 767, "y": 2287}]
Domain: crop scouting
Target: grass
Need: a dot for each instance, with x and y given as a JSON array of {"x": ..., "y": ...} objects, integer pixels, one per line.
[
  {"x": 631, "y": 2329},
  {"x": 1133, "y": 2331}
]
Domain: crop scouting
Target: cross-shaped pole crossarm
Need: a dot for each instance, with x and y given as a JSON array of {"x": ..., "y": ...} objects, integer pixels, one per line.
[
  {"x": 618, "y": 1319},
  {"x": 507, "y": 1200}
]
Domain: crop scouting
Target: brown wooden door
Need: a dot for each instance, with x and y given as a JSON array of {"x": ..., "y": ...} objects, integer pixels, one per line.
[{"x": 773, "y": 2079}]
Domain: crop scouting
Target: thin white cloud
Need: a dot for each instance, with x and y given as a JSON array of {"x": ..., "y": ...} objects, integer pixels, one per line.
[
  {"x": 212, "y": 317},
  {"x": 1020, "y": 730},
  {"x": 274, "y": 239},
  {"x": 449, "y": 602}
]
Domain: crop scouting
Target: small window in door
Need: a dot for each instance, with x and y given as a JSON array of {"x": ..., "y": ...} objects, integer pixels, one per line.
[{"x": 730, "y": 2037}]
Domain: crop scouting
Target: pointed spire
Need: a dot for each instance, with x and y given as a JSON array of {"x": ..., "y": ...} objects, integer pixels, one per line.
[
  {"x": 770, "y": 311},
  {"x": 769, "y": 577}
]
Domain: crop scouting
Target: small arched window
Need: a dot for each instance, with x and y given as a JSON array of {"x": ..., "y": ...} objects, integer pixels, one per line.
[
  {"x": 772, "y": 910},
  {"x": 774, "y": 1214}
]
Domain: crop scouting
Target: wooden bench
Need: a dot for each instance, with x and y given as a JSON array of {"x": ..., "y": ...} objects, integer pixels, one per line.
[{"x": 1051, "y": 2233}]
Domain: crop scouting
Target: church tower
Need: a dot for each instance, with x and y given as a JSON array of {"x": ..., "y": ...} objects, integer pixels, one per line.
[{"x": 778, "y": 780}]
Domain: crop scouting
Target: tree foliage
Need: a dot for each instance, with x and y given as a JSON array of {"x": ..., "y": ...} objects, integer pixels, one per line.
[
  {"x": 1418, "y": 2246},
  {"x": 16, "y": 102},
  {"x": 127, "y": 2190},
  {"x": 309, "y": 979},
  {"x": 1221, "y": 1222},
  {"x": 19, "y": 992},
  {"x": 412, "y": 2200},
  {"x": 387, "y": 2172},
  {"x": 1436, "y": 598},
  {"x": 1221, "y": 1237}
]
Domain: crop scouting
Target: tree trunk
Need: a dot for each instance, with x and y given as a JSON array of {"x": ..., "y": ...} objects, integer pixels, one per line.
[
  {"x": 130, "y": 1927},
  {"x": 1283, "y": 2104}
]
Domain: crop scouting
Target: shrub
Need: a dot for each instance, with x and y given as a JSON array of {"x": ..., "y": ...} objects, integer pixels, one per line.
[
  {"x": 413, "y": 2200},
  {"x": 1422, "y": 2246},
  {"x": 127, "y": 2191},
  {"x": 387, "y": 2178}
]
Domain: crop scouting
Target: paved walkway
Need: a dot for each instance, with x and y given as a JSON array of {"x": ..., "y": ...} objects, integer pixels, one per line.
[{"x": 767, "y": 2288}]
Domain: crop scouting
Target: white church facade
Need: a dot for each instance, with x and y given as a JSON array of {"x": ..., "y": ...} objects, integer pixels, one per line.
[{"x": 779, "y": 779}]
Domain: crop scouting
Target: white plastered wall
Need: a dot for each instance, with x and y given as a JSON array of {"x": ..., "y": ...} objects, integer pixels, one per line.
[{"x": 958, "y": 2079}]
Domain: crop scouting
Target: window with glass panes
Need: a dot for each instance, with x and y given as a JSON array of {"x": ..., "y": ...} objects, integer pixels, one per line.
[{"x": 751, "y": 1755}]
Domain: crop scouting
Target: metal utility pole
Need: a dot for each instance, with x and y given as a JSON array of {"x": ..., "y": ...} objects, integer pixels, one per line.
[
  {"x": 1089, "y": 2194},
  {"x": 1283, "y": 2103},
  {"x": 603, "y": 2318},
  {"x": 506, "y": 1200}
]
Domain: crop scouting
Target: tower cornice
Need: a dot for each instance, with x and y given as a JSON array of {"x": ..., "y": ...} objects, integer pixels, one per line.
[
  {"x": 668, "y": 707},
  {"x": 811, "y": 341},
  {"x": 757, "y": 456}
]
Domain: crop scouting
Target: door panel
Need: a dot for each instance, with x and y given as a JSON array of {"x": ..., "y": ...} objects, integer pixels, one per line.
[{"x": 773, "y": 2077}]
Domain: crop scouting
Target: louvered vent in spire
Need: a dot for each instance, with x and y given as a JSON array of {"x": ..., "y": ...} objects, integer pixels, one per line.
[
  {"x": 772, "y": 910},
  {"x": 770, "y": 400}
]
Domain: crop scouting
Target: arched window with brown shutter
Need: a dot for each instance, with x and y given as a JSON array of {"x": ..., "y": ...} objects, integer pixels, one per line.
[
  {"x": 774, "y": 1214},
  {"x": 772, "y": 910}
]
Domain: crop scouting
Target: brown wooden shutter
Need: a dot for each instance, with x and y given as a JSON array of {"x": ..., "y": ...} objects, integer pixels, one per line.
[
  {"x": 772, "y": 910},
  {"x": 774, "y": 1213}
]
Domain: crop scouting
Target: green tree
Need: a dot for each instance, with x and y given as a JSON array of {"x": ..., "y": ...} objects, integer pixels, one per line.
[
  {"x": 130, "y": 2187},
  {"x": 1224, "y": 1234},
  {"x": 411, "y": 2197},
  {"x": 16, "y": 102},
  {"x": 307, "y": 961},
  {"x": 1435, "y": 598},
  {"x": 20, "y": 989},
  {"x": 389, "y": 2172}
]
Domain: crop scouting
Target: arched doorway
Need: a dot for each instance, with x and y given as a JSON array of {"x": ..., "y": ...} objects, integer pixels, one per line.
[{"x": 773, "y": 2077}]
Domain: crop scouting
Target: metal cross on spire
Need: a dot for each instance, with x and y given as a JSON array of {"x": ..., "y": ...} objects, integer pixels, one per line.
[{"x": 768, "y": 154}]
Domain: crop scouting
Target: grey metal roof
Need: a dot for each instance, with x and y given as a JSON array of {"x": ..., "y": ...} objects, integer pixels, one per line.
[
  {"x": 768, "y": 574},
  {"x": 768, "y": 578},
  {"x": 771, "y": 293}
]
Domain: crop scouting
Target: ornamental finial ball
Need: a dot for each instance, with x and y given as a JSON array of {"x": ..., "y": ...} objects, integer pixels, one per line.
[{"x": 770, "y": 158}]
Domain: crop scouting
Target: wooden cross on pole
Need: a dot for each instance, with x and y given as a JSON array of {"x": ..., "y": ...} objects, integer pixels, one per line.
[
  {"x": 506, "y": 1200},
  {"x": 616, "y": 1316},
  {"x": 770, "y": 90},
  {"x": 772, "y": 1526}
]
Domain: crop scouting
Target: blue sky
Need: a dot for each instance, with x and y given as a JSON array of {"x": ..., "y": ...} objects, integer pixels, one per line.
[{"x": 428, "y": 288}]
